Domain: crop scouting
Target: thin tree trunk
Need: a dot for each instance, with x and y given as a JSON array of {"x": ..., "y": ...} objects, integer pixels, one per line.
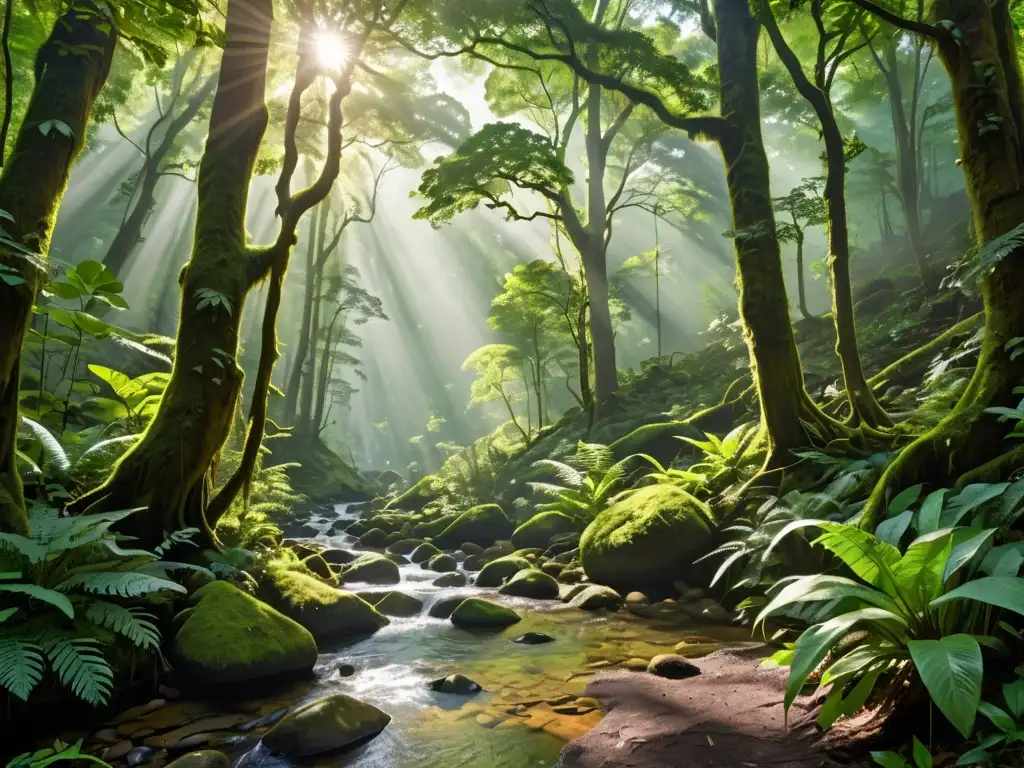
[
  {"x": 305, "y": 416},
  {"x": 294, "y": 385},
  {"x": 5, "y": 43},
  {"x": 31, "y": 189},
  {"x": 324, "y": 376},
  {"x": 801, "y": 282}
]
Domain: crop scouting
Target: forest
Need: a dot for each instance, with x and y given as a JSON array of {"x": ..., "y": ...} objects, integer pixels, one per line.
[{"x": 510, "y": 383}]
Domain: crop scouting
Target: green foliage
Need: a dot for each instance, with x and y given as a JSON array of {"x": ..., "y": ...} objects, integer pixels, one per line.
[
  {"x": 59, "y": 752},
  {"x": 725, "y": 459},
  {"x": 586, "y": 485},
  {"x": 1007, "y": 741},
  {"x": 922, "y": 757}
]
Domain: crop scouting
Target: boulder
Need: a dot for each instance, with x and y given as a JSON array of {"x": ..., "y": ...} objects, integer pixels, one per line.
[
  {"x": 567, "y": 592},
  {"x": 534, "y": 638},
  {"x": 672, "y": 666},
  {"x": 475, "y": 613},
  {"x": 457, "y": 684},
  {"x": 231, "y": 637},
  {"x": 443, "y": 563},
  {"x": 531, "y": 583},
  {"x": 539, "y": 530},
  {"x": 474, "y": 563},
  {"x": 571, "y": 575},
  {"x": 499, "y": 549},
  {"x": 424, "y": 552},
  {"x": 444, "y": 607},
  {"x": 481, "y": 525},
  {"x": 647, "y": 540},
  {"x": 204, "y": 758},
  {"x": 397, "y": 559},
  {"x": 357, "y": 529},
  {"x": 708, "y": 610},
  {"x": 400, "y": 604},
  {"x": 328, "y": 613},
  {"x": 324, "y": 725},
  {"x": 469, "y": 548},
  {"x": 318, "y": 566},
  {"x": 636, "y": 598},
  {"x": 372, "y": 569},
  {"x": 338, "y": 556},
  {"x": 375, "y": 538},
  {"x": 553, "y": 570},
  {"x": 404, "y": 546},
  {"x": 450, "y": 580},
  {"x": 497, "y": 571},
  {"x": 595, "y": 598},
  {"x": 428, "y": 529}
]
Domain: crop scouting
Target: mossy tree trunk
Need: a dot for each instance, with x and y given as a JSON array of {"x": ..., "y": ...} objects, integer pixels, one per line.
[
  {"x": 969, "y": 445},
  {"x": 801, "y": 281},
  {"x": 71, "y": 68},
  {"x": 294, "y": 384}
]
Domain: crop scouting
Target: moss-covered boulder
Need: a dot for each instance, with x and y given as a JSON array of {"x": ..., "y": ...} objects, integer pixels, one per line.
[
  {"x": 325, "y": 725},
  {"x": 372, "y": 569},
  {"x": 497, "y": 571},
  {"x": 338, "y": 556},
  {"x": 404, "y": 546},
  {"x": 442, "y": 563},
  {"x": 424, "y": 552},
  {"x": 231, "y": 637},
  {"x": 454, "y": 579},
  {"x": 475, "y": 613},
  {"x": 474, "y": 563},
  {"x": 204, "y": 758},
  {"x": 373, "y": 538},
  {"x": 429, "y": 529},
  {"x": 425, "y": 490},
  {"x": 647, "y": 540},
  {"x": 660, "y": 440},
  {"x": 443, "y": 608},
  {"x": 481, "y": 525},
  {"x": 530, "y": 582},
  {"x": 318, "y": 472},
  {"x": 400, "y": 604},
  {"x": 328, "y": 613},
  {"x": 540, "y": 529}
]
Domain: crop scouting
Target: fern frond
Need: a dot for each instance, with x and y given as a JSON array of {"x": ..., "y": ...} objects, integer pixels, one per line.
[
  {"x": 56, "y": 599},
  {"x": 568, "y": 475},
  {"x": 131, "y": 623},
  {"x": 52, "y": 450},
  {"x": 21, "y": 665},
  {"x": 121, "y": 584},
  {"x": 27, "y": 548},
  {"x": 595, "y": 457},
  {"x": 80, "y": 666}
]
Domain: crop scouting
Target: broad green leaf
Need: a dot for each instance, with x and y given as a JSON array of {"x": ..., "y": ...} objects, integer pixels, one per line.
[
  {"x": 891, "y": 531},
  {"x": 1013, "y": 694},
  {"x": 850, "y": 704},
  {"x": 968, "y": 500},
  {"x": 951, "y": 670},
  {"x": 976, "y": 756},
  {"x": 56, "y": 599},
  {"x": 919, "y": 571},
  {"x": 821, "y": 587},
  {"x": 998, "y": 717},
  {"x": 965, "y": 549},
  {"x": 1004, "y": 560},
  {"x": 928, "y": 516},
  {"x": 902, "y": 501},
  {"x": 867, "y": 556},
  {"x": 856, "y": 661},
  {"x": 1001, "y": 591},
  {"x": 922, "y": 757},
  {"x": 889, "y": 760}
]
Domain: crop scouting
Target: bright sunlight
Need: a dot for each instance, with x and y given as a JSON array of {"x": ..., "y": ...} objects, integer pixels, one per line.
[{"x": 331, "y": 50}]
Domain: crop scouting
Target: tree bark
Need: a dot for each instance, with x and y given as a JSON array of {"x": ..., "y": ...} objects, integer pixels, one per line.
[
  {"x": 324, "y": 376},
  {"x": 71, "y": 68},
  {"x": 305, "y": 417},
  {"x": 969, "y": 445},
  {"x": 294, "y": 385},
  {"x": 801, "y": 282}
]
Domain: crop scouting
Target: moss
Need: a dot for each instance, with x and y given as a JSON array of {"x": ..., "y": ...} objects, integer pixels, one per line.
[
  {"x": 539, "y": 530},
  {"x": 424, "y": 552},
  {"x": 231, "y": 637},
  {"x": 325, "y": 725},
  {"x": 321, "y": 474},
  {"x": 481, "y": 525},
  {"x": 647, "y": 540},
  {"x": 373, "y": 569},
  {"x": 474, "y": 613},
  {"x": 422, "y": 493},
  {"x": 530, "y": 582},
  {"x": 496, "y": 571},
  {"x": 658, "y": 440}
]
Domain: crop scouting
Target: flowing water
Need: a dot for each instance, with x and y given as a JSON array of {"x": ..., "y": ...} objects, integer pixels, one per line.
[{"x": 429, "y": 729}]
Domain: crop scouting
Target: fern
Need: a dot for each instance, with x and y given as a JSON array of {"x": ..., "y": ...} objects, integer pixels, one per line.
[
  {"x": 79, "y": 665},
  {"x": 52, "y": 450},
  {"x": 120, "y": 584},
  {"x": 21, "y": 665},
  {"x": 27, "y": 548},
  {"x": 131, "y": 623},
  {"x": 56, "y": 599}
]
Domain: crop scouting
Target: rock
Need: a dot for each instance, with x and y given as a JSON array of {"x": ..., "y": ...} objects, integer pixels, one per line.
[
  {"x": 566, "y": 557},
  {"x": 424, "y": 552},
  {"x": 483, "y": 525},
  {"x": 457, "y": 684},
  {"x": 474, "y": 563},
  {"x": 346, "y": 670},
  {"x": 499, "y": 549},
  {"x": 469, "y": 548},
  {"x": 231, "y": 637},
  {"x": 531, "y": 583},
  {"x": 394, "y": 538},
  {"x": 459, "y": 556},
  {"x": 497, "y": 571},
  {"x": 118, "y": 750},
  {"x": 540, "y": 529},
  {"x": 296, "y": 530},
  {"x": 534, "y": 638},
  {"x": 636, "y": 598},
  {"x": 318, "y": 566},
  {"x": 696, "y": 650},
  {"x": 397, "y": 559},
  {"x": 443, "y": 563},
  {"x": 554, "y": 570},
  {"x": 636, "y": 664},
  {"x": 400, "y": 604},
  {"x": 708, "y": 610},
  {"x": 595, "y": 598},
  {"x": 571, "y": 576},
  {"x": 357, "y": 529},
  {"x": 204, "y": 758},
  {"x": 672, "y": 666},
  {"x": 566, "y": 544},
  {"x": 475, "y": 613},
  {"x": 338, "y": 556},
  {"x": 372, "y": 569},
  {"x": 140, "y": 756},
  {"x": 389, "y": 477},
  {"x": 443, "y": 608},
  {"x": 404, "y": 546},
  {"x": 108, "y": 735},
  {"x": 373, "y": 538},
  {"x": 324, "y": 725},
  {"x": 486, "y": 720},
  {"x": 567, "y": 592},
  {"x": 328, "y": 613},
  {"x": 433, "y": 528},
  {"x": 648, "y": 539},
  {"x": 450, "y": 580}
]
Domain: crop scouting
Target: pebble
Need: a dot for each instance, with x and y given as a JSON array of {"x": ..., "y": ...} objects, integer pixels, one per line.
[
  {"x": 140, "y": 756},
  {"x": 346, "y": 670},
  {"x": 534, "y": 638},
  {"x": 118, "y": 750}
]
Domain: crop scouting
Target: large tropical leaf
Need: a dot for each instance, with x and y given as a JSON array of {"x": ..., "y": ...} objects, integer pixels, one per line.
[
  {"x": 891, "y": 531},
  {"x": 968, "y": 500},
  {"x": 27, "y": 548},
  {"x": 1004, "y": 560},
  {"x": 1001, "y": 591},
  {"x": 821, "y": 587},
  {"x": 931, "y": 509},
  {"x": 951, "y": 669},
  {"x": 967, "y": 543},
  {"x": 919, "y": 572},
  {"x": 867, "y": 556},
  {"x": 21, "y": 665}
]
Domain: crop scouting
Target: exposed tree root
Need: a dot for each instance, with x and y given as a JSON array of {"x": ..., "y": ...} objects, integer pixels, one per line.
[{"x": 908, "y": 365}]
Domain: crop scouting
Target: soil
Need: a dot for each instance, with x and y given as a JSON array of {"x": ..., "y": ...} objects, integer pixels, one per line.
[{"x": 730, "y": 716}]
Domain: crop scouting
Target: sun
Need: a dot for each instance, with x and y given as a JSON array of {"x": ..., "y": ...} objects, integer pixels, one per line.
[{"x": 330, "y": 49}]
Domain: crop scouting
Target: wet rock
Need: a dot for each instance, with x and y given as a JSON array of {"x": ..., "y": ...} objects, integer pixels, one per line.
[
  {"x": 483, "y": 525},
  {"x": 499, "y": 549},
  {"x": 636, "y": 598},
  {"x": 443, "y": 563},
  {"x": 118, "y": 750},
  {"x": 696, "y": 650},
  {"x": 450, "y": 580},
  {"x": 459, "y": 556},
  {"x": 444, "y": 607},
  {"x": 424, "y": 552},
  {"x": 531, "y": 583},
  {"x": 636, "y": 664},
  {"x": 373, "y": 539},
  {"x": 566, "y": 556},
  {"x": 357, "y": 529},
  {"x": 497, "y": 571},
  {"x": 708, "y": 610},
  {"x": 394, "y": 538},
  {"x": 140, "y": 756},
  {"x": 338, "y": 556},
  {"x": 346, "y": 670},
  {"x": 475, "y": 613},
  {"x": 205, "y": 758},
  {"x": 318, "y": 566},
  {"x": 404, "y": 546},
  {"x": 457, "y": 684},
  {"x": 400, "y": 604},
  {"x": 324, "y": 725},
  {"x": 539, "y": 530},
  {"x": 469, "y": 548},
  {"x": 595, "y": 598},
  {"x": 373, "y": 569},
  {"x": 534, "y": 638},
  {"x": 108, "y": 735},
  {"x": 553, "y": 570},
  {"x": 397, "y": 559},
  {"x": 182, "y": 738},
  {"x": 571, "y": 576},
  {"x": 474, "y": 563},
  {"x": 672, "y": 666},
  {"x": 296, "y": 530},
  {"x": 567, "y": 592}
]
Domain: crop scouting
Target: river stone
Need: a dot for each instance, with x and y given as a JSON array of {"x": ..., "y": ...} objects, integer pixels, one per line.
[
  {"x": 499, "y": 549},
  {"x": 318, "y": 566},
  {"x": 450, "y": 580},
  {"x": 636, "y": 598},
  {"x": 346, "y": 670},
  {"x": 443, "y": 563},
  {"x": 595, "y": 598},
  {"x": 708, "y": 610},
  {"x": 474, "y": 563},
  {"x": 531, "y": 583},
  {"x": 483, "y": 525},
  {"x": 403, "y": 546},
  {"x": 397, "y": 559},
  {"x": 534, "y": 638},
  {"x": 324, "y": 725},
  {"x": 497, "y": 571},
  {"x": 231, "y": 637},
  {"x": 459, "y": 556},
  {"x": 357, "y": 529},
  {"x": 539, "y": 530},
  {"x": 443, "y": 608},
  {"x": 571, "y": 576},
  {"x": 554, "y": 570},
  {"x": 475, "y": 613},
  {"x": 373, "y": 538},
  {"x": 328, "y": 613},
  {"x": 373, "y": 569},
  {"x": 424, "y": 552},
  {"x": 457, "y": 684},
  {"x": 338, "y": 556},
  {"x": 567, "y": 592},
  {"x": 400, "y": 604},
  {"x": 140, "y": 756},
  {"x": 118, "y": 750},
  {"x": 394, "y": 538},
  {"x": 672, "y": 666},
  {"x": 204, "y": 758},
  {"x": 469, "y": 548}
]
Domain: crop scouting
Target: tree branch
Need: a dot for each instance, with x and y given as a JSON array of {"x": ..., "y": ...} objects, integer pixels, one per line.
[{"x": 918, "y": 28}]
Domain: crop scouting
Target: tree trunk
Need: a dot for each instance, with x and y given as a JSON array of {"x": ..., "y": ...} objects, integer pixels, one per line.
[
  {"x": 305, "y": 417},
  {"x": 969, "y": 445},
  {"x": 583, "y": 353},
  {"x": 171, "y": 469},
  {"x": 324, "y": 376},
  {"x": 294, "y": 385},
  {"x": 71, "y": 68},
  {"x": 801, "y": 282}
]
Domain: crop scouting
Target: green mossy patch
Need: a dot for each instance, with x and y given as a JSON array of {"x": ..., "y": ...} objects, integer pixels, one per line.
[
  {"x": 483, "y": 525},
  {"x": 324, "y": 725},
  {"x": 321, "y": 474},
  {"x": 497, "y": 571},
  {"x": 474, "y": 613},
  {"x": 372, "y": 569},
  {"x": 538, "y": 531},
  {"x": 532, "y": 583}
]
